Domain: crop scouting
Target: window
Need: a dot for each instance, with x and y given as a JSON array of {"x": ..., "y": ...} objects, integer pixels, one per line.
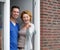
[{"x": 1, "y": 23}]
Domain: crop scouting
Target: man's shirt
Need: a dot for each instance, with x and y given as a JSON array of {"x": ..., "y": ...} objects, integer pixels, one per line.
[{"x": 13, "y": 36}]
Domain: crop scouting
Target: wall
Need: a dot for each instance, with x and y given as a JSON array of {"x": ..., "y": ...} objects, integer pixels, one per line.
[
  {"x": 23, "y": 4},
  {"x": 2, "y": 0},
  {"x": 50, "y": 24}
]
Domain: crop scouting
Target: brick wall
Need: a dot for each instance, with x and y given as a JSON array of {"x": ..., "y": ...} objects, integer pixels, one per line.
[{"x": 50, "y": 24}]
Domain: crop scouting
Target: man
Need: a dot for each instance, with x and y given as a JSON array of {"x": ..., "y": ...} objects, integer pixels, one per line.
[{"x": 14, "y": 27}]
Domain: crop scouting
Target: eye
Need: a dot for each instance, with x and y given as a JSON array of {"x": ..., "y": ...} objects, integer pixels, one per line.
[{"x": 17, "y": 12}]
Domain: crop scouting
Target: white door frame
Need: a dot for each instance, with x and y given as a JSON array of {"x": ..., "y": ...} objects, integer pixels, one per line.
[
  {"x": 37, "y": 24},
  {"x": 6, "y": 25},
  {"x": 2, "y": 0}
]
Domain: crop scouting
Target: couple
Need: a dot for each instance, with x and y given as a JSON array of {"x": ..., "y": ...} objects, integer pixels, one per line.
[{"x": 21, "y": 37}]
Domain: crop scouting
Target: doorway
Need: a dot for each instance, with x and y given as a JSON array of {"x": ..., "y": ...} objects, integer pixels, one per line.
[{"x": 34, "y": 7}]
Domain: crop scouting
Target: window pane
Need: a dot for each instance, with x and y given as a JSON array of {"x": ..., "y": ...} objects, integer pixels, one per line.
[{"x": 1, "y": 18}]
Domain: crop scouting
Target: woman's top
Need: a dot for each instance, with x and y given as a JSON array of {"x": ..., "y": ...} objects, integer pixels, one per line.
[
  {"x": 25, "y": 37},
  {"x": 22, "y": 38}
]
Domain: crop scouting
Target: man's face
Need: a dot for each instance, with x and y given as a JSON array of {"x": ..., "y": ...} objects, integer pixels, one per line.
[{"x": 15, "y": 13}]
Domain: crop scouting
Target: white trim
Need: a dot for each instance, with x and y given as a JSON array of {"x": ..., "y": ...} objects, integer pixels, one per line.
[
  {"x": 37, "y": 24},
  {"x": 2, "y": 0},
  {"x": 7, "y": 25}
]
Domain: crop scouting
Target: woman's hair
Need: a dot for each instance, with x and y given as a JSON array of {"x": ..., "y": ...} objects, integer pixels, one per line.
[{"x": 26, "y": 12}]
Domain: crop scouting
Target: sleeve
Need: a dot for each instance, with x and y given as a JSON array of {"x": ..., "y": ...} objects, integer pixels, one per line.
[
  {"x": 34, "y": 32},
  {"x": 32, "y": 29}
]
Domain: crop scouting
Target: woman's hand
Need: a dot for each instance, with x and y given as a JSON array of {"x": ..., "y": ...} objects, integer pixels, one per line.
[{"x": 28, "y": 25}]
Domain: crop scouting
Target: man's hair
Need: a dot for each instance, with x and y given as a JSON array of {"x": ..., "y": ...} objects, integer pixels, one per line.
[{"x": 14, "y": 7}]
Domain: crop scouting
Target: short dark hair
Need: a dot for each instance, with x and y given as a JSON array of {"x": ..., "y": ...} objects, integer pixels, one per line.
[{"x": 14, "y": 7}]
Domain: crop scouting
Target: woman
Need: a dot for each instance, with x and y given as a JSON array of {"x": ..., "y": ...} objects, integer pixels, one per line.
[{"x": 26, "y": 32}]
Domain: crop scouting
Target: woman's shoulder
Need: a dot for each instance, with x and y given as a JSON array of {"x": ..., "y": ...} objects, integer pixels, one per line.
[{"x": 33, "y": 28}]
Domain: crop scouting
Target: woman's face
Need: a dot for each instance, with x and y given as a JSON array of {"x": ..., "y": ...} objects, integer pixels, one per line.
[{"x": 26, "y": 18}]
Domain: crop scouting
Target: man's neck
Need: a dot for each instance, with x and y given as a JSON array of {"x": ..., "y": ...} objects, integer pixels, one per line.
[{"x": 13, "y": 20}]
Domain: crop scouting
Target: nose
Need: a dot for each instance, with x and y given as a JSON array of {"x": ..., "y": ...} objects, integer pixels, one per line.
[{"x": 26, "y": 18}]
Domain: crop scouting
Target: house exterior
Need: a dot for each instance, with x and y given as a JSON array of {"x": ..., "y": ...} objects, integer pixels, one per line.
[{"x": 5, "y": 31}]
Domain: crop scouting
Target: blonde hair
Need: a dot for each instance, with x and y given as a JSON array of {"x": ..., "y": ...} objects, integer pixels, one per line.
[{"x": 26, "y": 12}]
